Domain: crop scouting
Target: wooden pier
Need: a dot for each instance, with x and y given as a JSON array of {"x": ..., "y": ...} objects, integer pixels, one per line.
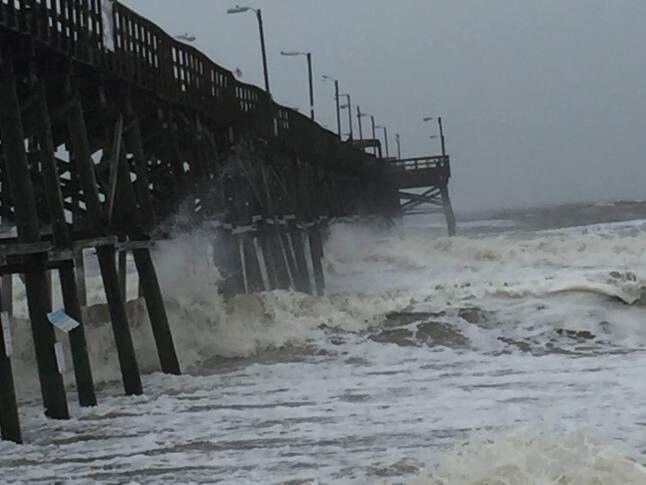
[
  {"x": 431, "y": 174},
  {"x": 108, "y": 127}
]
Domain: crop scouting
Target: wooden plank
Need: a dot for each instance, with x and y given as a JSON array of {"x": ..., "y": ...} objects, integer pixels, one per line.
[
  {"x": 95, "y": 242},
  {"x": 132, "y": 245},
  {"x": 23, "y": 249}
]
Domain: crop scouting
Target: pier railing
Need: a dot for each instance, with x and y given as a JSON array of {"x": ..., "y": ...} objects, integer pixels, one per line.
[
  {"x": 110, "y": 36},
  {"x": 424, "y": 163}
]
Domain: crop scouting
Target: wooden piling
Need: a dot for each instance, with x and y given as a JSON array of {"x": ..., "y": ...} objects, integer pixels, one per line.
[
  {"x": 285, "y": 246},
  {"x": 134, "y": 144},
  {"x": 298, "y": 246},
  {"x": 156, "y": 312},
  {"x": 253, "y": 275},
  {"x": 13, "y": 143},
  {"x": 6, "y": 293},
  {"x": 266, "y": 245},
  {"x": 316, "y": 252},
  {"x": 226, "y": 255},
  {"x": 294, "y": 220},
  {"x": 62, "y": 239},
  {"x": 448, "y": 210},
  {"x": 122, "y": 266},
  {"x": 105, "y": 254},
  {"x": 271, "y": 232},
  {"x": 9, "y": 418},
  {"x": 136, "y": 227}
]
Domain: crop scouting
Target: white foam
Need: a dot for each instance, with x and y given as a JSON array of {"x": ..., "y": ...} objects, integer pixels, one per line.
[{"x": 520, "y": 458}]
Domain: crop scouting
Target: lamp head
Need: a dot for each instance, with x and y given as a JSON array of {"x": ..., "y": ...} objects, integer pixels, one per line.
[
  {"x": 239, "y": 9},
  {"x": 428, "y": 118},
  {"x": 291, "y": 53},
  {"x": 186, "y": 37}
]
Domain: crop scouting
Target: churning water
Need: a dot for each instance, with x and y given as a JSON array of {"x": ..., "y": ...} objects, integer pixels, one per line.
[{"x": 514, "y": 354}]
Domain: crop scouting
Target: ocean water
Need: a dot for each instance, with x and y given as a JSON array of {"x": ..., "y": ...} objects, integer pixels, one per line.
[{"x": 512, "y": 354}]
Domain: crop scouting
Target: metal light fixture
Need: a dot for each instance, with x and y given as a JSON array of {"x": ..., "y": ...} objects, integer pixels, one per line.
[
  {"x": 239, "y": 9},
  {"x": 186, "y": 37},
  {"x": 308, "y": 55},
  {"x": 325, "y": 77},
  {"x": 381, "y": 127},
  {"x": 441, "y": 128},
  {"x": 348, "y": 106}
]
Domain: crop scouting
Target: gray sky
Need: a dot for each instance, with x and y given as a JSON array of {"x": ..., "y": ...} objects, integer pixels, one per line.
[{"x": 544, "y": 101}]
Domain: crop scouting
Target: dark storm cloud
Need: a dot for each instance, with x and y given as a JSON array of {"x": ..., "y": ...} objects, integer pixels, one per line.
[{"x": 544, "y": 101}]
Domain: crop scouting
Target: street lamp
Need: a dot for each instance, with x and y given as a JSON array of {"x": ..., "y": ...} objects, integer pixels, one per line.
[
  {"x": 399, "y": 147},
  {"x": 359, "y": 116},
  {"x": 385, "y": 138},
  {"x": 336, "y": 97},
  {"x": 374, "y": 135},
  {"x": 309, "y": 72},
  {"x": 239, "y": 9},
  {"x": 348, "y": 106},
  {"x": 439, "y": 123}
]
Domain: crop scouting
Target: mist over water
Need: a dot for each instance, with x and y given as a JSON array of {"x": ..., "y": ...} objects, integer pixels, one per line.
[{"x": 514, "y": 353}]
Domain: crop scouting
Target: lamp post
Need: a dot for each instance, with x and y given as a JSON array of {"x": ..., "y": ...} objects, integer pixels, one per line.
[
  {"x": 308, "y": 55},
  {"x": 441, "y": 128},
  {"x": 348, "y": 106},
  {"x": 239, "y": 9},
  {"x": 385, "y": 138},
  {"x": 359, "y": 116},
  {"x": 439, "y": 122},
  {"x": 336, "y": 98},
  {"x": 399, "y": 147},
  {"x": 374, "y": 134}
]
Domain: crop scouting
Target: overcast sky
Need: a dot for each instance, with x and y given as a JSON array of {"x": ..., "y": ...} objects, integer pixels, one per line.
[{"x": 544, "y": 101}]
